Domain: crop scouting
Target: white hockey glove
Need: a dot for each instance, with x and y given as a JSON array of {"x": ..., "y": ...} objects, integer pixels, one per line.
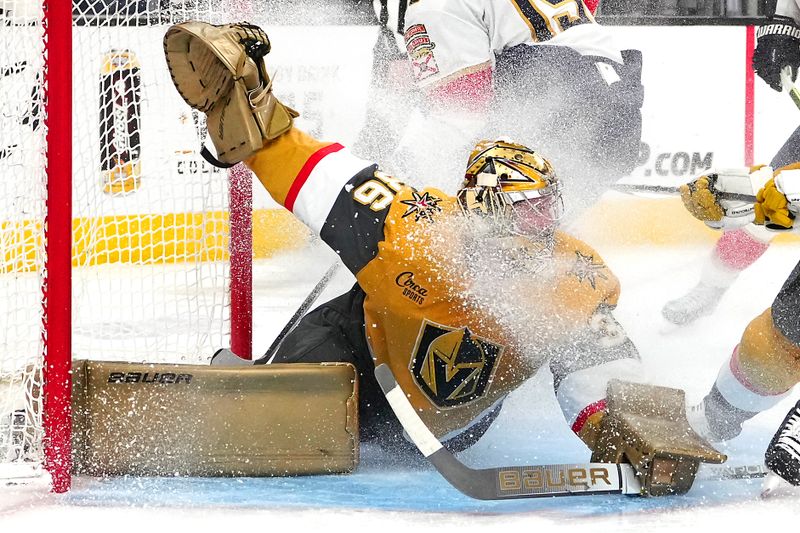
[
  {"x": 703, "y": 199},
  {"x": 778, "y": 201}
]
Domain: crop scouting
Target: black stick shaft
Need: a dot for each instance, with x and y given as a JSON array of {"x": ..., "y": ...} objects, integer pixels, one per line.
[
  {"x": 301, "y": 311},
  {"x": 675, "y": 191}
]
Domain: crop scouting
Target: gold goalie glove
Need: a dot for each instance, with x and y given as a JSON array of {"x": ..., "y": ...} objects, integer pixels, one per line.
[
  {"x": 778, "y": 201},
  {"x": 220, "y": 71},
  {"x": 704, "y": 197}
]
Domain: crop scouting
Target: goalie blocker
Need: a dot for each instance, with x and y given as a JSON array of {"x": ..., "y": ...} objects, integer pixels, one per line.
[
  {"x": 144, "y": 419},
  {"x": 646, "y": 426}
]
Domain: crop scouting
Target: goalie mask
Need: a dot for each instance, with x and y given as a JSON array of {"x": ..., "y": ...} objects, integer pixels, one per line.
[{"x": 513, "y": 185}]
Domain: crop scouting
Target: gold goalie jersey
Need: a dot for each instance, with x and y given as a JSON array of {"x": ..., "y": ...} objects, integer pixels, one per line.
[{"x": 457, "y": 338}]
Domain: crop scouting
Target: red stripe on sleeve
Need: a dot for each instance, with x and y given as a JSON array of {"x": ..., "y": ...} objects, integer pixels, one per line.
[
  {"x": 305, "y": 172},
  {"x": 588, "y": 411}
]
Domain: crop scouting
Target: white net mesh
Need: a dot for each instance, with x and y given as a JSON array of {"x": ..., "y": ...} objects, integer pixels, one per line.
[
  {"x": 150, "y": 232},
  {"x": 22, "y": 210}
]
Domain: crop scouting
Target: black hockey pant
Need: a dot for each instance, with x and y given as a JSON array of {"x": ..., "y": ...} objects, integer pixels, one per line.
[{"x": 334, "y": 332}]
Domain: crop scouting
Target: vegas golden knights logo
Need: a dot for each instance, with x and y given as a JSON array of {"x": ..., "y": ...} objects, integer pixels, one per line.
[{"x": 453, "y": 366}]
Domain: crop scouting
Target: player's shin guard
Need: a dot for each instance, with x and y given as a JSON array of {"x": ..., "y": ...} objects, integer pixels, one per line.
[
  {"x": 783, "y": 452},
  {"x": 716, "y": 419},
  {"x": 758, "y": 375}
]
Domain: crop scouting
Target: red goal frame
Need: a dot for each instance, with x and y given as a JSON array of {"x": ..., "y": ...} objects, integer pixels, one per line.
[{"x": 57, "y": 281}]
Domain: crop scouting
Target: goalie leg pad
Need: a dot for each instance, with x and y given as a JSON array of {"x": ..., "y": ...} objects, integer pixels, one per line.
[
  {"x": 646, "y": 426},
  {"x": 268, "y": 420},
  {"x": 220, "y": 71}
]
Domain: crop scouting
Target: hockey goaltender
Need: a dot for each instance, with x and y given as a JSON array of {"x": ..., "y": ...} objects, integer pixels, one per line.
[{"x": 443, "y": 362}]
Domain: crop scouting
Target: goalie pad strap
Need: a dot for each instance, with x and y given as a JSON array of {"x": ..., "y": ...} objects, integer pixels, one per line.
[{"x": 213, "y": 161}]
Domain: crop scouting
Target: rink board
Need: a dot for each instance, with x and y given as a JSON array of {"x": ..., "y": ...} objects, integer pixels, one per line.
[
  {"x": 696, "y": 88},
  {"x": 694, "y": 117}
]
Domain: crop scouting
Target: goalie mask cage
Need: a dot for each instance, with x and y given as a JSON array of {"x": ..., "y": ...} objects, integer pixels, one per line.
[{"x": 117, "y": 241}]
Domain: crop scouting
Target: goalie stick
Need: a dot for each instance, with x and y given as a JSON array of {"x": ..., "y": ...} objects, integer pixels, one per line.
[
  {"x": 225, "y": 357},
  {"x": 633, "y": 188},
  {"x": 533, "y": 481},
  {"x": 301, "y": 311}
]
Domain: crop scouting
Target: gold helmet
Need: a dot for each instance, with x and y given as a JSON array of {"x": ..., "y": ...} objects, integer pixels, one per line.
[{"x": 515, "y": 186}]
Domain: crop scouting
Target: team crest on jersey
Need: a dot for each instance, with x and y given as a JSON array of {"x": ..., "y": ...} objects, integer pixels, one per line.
[
  {"x": 422, "y": 206},
  {"x": 585, "y": 268},
  {"x": 420, "y": 51},
  {"x": 452, "y": 366}
]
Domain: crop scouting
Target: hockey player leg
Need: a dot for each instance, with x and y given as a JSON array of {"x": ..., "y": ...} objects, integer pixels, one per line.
[
  {"x": 789, "y": 153},
  {"x": 758, "y": 375},
  {"x": 735, "y": 251}
]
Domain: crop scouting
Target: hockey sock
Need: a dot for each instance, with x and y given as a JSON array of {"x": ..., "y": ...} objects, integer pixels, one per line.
[{"x": 734, "y": 252}]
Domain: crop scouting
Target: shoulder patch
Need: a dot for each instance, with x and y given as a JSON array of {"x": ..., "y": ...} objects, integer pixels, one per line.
[
  {"x": 422, "y": 206},
  {"x": 586, "y": 269},
  {"x": 420, "y": 51}
]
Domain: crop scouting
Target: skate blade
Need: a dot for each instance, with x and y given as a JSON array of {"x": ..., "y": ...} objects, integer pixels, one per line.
[{"x": 774, "y": 485}]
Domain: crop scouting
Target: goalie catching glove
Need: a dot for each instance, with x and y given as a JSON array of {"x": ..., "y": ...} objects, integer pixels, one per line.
[
  {"x": 704, "y": 196},
  {"x": 220, "y": 71}
]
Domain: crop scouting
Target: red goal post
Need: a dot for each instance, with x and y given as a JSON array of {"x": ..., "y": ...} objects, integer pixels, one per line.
[{"x": 118, "y": 241}]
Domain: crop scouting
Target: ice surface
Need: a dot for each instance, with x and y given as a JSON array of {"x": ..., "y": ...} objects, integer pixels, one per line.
[{"x": 391, "y": 495}]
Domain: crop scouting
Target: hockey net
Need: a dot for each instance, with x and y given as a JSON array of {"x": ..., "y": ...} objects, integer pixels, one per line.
[{"x": 150, "y": 220}]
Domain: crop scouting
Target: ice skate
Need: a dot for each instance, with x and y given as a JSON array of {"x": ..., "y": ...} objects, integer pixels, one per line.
[
  {"x": 702, "y": 300},
  {"x": 783, "y": 454},
  {"x": 715, "y": 422},
  {"x": 696, "y": 415}
]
